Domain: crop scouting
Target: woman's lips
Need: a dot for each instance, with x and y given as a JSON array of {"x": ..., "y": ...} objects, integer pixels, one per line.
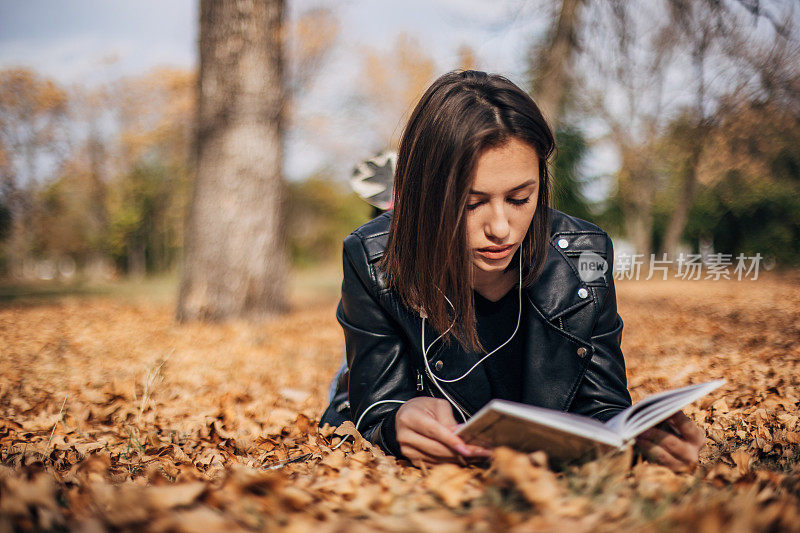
[{"x": 495, "y": 252}]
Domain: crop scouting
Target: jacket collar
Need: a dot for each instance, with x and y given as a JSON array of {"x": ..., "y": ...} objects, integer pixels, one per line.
[{"x": 557, "y": 290}]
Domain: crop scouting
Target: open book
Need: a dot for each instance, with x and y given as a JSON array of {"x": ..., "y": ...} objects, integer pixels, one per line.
[{"x": 565, "y": 436}]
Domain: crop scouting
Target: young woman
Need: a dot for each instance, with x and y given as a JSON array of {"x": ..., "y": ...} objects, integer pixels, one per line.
[{"x": 469, "y": 290}]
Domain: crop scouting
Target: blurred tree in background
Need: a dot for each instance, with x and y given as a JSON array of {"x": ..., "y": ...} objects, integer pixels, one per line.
[
  {"x": 552, "y": 61},
  {"x": 702, "y": 111},
  {"x": 152, "y": 164},
  {"x": 33, "y": 112},
  {"x": 749, "y": 197},
  {"x": 112, "y": 167},
  {"x": 661, "y": 78},
  {"x": 552, "y": 80},
  {"x": 234, "y": 260},
  {"x": 393, "y": 83},
  {"x": 120, "y": 198},
  {"x": 99, "y": 201},
  {"x": 321, "y": 212},
  {"x": 568, "y": 186}
]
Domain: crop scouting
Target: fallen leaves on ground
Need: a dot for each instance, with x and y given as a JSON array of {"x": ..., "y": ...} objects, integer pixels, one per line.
[{"x": 112, "y": 416}]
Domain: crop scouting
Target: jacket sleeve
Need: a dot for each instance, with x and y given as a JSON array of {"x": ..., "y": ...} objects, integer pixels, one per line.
[
  {"x": 375, "y": 348},
  {"x": 604, "y": 391}
]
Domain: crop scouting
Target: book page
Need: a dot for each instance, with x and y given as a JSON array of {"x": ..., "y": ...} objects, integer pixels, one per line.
[
  {"x": 642, "y": 416},
  {"x": 563, "y": 436},
  {"x": 616, "y": 423},
  {"x": 651, "y": 418},
  {"x": 657, "y": 407}
]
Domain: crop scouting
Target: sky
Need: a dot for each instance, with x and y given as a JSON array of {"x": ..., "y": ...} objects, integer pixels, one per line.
[
  {"x": 71, "y": 40},
  {"x": 92, "y": 41}
]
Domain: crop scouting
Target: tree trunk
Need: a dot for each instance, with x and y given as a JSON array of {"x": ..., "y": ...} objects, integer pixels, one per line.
[
  {"x": 137, "y": 258},
  {"x": 680, "y": 215},
  {"x": 234, "y": 257},
  {"x": 636, "y": 183},
  {"x": 638, "y": 226},
  {"x": 552, "y": 76},
  {"x": 98, "y": 218}
]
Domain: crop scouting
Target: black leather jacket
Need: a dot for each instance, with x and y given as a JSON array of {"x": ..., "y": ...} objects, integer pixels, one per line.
[{"x": 573, "y": 360}]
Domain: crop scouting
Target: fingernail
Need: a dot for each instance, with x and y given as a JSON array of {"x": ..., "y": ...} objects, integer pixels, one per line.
[{"x": 463, "y": 450}]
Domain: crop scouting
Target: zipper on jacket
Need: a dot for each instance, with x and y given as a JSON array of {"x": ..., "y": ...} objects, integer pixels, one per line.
[
  {"x": 420, "y": 385},
  {"x": 561, "y": 322}
]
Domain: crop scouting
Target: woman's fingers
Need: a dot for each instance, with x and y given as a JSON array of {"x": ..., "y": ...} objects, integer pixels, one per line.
[
  {"x": 475, "y": 450},
  {"x": 657, "y": 454},
  {"x": 688, "y": 428},
  {"x": 426, "y": 428},
  {"x": 427, "y": 445},
  {"x": 682, "y": 451},
  {"x": 418, "y": 425},
  {"x": 416, "y": 455},
  {"x": 443, "y": 413},
  {"x": 433, "y": 429},
  {"x": 478, "y": 451},
  {"x": 435, "y": 423}
]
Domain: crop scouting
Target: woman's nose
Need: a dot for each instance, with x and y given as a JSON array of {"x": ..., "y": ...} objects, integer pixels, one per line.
[{"x": 497, "y": 227}]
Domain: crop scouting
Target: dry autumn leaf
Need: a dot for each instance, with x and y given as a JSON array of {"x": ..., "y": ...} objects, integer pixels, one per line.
[
  {"x": 742, "y": 459},
  {"x": 231, "y": 443},
  {"x": 452, "y": 484}
]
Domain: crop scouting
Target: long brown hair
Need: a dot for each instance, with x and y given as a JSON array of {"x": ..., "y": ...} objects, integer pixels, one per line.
[{"x": 460, "y": 115}]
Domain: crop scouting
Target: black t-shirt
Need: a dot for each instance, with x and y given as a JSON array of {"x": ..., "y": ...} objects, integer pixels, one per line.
[{"x": 495, "y": 322}]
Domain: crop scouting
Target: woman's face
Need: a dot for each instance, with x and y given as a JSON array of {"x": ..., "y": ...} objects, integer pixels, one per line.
[{"x": 501, "y": 204}]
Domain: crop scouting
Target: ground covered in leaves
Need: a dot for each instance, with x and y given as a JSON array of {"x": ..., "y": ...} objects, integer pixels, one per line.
[{"x": 113, "y": 417}]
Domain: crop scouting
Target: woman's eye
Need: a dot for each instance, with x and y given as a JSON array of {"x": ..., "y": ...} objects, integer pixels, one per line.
[
  {"x": 512, "y": 201},
  {"x": 519, "y": 201}
]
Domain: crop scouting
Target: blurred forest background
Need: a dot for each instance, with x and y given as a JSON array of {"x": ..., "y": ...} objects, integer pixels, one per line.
[{"x": 698, "y": 101}]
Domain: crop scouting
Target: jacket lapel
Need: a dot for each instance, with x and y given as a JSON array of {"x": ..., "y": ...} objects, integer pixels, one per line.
[
  {"x": 557, "y": 291},
  {"x": 559, "y": 324}
]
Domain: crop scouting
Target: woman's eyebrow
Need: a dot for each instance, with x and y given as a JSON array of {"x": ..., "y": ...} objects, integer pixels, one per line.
[{"x": 518, "y": 187}]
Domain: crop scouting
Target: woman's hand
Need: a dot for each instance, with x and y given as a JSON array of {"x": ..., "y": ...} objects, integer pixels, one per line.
[
  {"x": 425, "y": 431},
  {"x": 678, "y": 452}
]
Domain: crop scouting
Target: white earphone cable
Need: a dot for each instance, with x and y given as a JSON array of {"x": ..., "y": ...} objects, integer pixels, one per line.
[{"x": 425, "y": 349}]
